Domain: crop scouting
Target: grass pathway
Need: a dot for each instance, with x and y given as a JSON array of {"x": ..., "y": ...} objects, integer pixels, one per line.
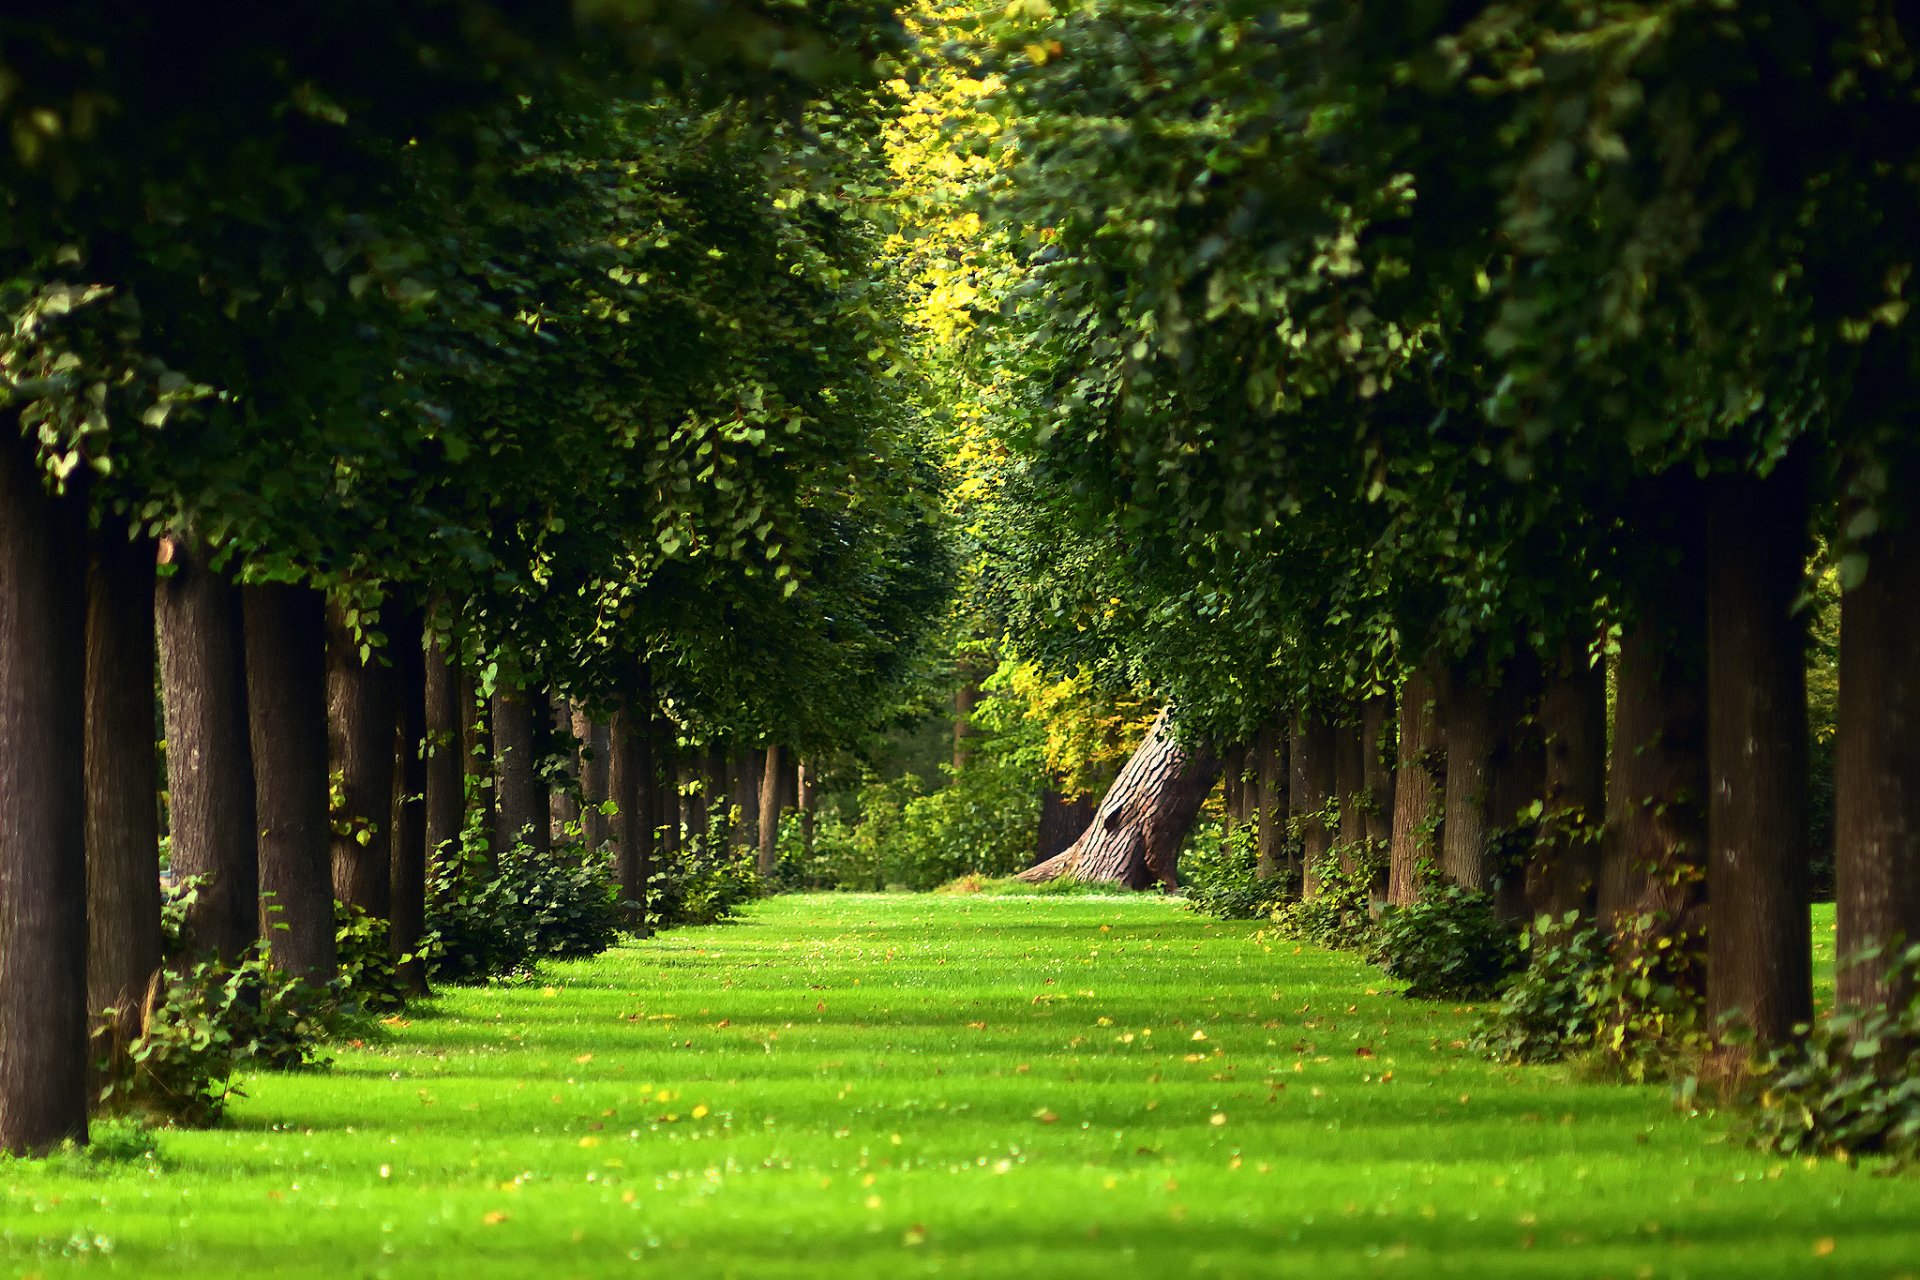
[{"x": 851, "y": 1086}]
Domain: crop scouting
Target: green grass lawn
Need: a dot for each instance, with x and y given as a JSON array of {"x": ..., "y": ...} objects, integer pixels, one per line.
[{"x": 993, "y": 1086}]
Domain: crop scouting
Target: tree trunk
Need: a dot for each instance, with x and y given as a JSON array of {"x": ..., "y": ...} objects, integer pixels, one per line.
[
  {"x": 1653, "y": 854},
  {"x": 209, "y": 752},
  {"x": 745, "y": 778},
  {"x": 965, "y": 699},
  {"x": 1234, "y": 763},
  {"x": 633, "y": 825},
  {"x": 287, "y": 708},
  {"x": 1467, "y": 713},
  {"x": 476, "y": 763},
  {"x": 1137, "y": 831},
  {"x": 362, "y": 702},
  {"x": 1877, "y": 762},
  {"x": 1062, "y": 819},
  {"x": 1517, "y": 781},
  {"x": 1350, "y": 788},
  {"x": 1376, "y": 769},
  {"x": 123, "y": 784},
  {"x": 43, "y": 809},
  {"x": 809, "y": 805},
  {"x": 1269, "y": 792},
  {"x": 1311, "y": 756},
  {"x": 408, "y": 886},
  {"x": 666, "y": 791},
  {"x": 565, "y": 805},
  {"x": 1564, "y": 874},
  {"x": 520, "y": 813},
  {"x": 595, "y": 774},
  {"x": 1419, "y": 788},
  {"x": 1759, "y": 951},
  {"x": 446, "y": 779},
  {"x": 772, "y": 770}
]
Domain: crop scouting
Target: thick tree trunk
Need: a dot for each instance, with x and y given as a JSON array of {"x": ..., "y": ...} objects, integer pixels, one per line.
[
  {"x": 1311, "y": 757},
  {"x": 476, "y": 762},
  {"x": 43, "y": 851},
  {"x": 1467, "y": 830},
  {"x": 632, "y": 733},
  {"x": 1269, "y": 792},
  {"x": 772, "y": 770},
  {"x": 1137, "y": 831},
  {"x": 287, "y": 708},
  {"x": 209, "y": 752},
  {"x": 1877, "y": 763},
  {"x": 1652, "y": 894},
  {"x": 520, "y": 813},
  {"x": 123, "y": 782},
  {"x": 1419, "y": 789},
  {"x": 409, "y": 804},
  {"x": 1759, "y": 950},
  {"x": 1564, "y": 874},
  {"x": 1062, "y": 818},
  {"x": 596, "y": 768},
  {"x": 362, "y": 703},
  {"x": 446, "y": 779}
]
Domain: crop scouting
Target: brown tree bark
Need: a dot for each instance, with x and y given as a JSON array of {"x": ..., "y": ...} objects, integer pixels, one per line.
[
  {"x": 1234, "y": 763},
  {"x": 362, "y": 704},
  {"x": 1877, "y": 760},
  {"x": 772, "y": 770},
  {"x": 1376, "y": 769},
  {"x": 1467, "y": 829},
  {"x": 287, "y": 709},
  {"x": 1268, "y": 790},
  {"x": 476, "y": 762},
  {"x": 445, "y": 777},
  {"x": 122, "y": 783},
  {"x": 43, "y": 851},
  {"x": 1759, "y": 950},
  {"x": 565, "y": 800},
  {"x": 408, "y": 886},
  {"x": 632, "y": 733},
  {"x": 595, "y": 774},
  {"x": 1517, "y": 781},
  {"x": 1311, "y": 755},
  {"x": 1137, "y": 831},
  {"x": 1350, "y": 788},
  {"x": 1565, "y": 871},
  {"x": 745, "y": 773},
  {"x": 1419, "y": 789},
  {"x": 666, "y": 792},
  {"x": 1062, "y": 819},
  {"x": 965, "y": 699},
  {"x": 809, "y": 804},
  {"x": 520, "y": 811},
  {"x": 209, "y": 751}
]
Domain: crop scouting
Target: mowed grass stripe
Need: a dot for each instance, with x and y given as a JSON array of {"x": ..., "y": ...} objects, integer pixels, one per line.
[{"x": 888, "y": 1085}]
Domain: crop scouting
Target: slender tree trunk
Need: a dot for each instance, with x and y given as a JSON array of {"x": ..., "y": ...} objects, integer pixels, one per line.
[
  {"x": 1759, "y": 950},
  {"x": 716, "y": 789},
  {"x": 1877, "y": 760},
  {"x": 409, "y": 804},
  {"x": 209, "y": 752},
  {"x": 809, "y": 805},
  {"x": 1419, "y": 789},
  {"x": 1468, "y": 716},
  {"x": 595, "y": 774},
  {"x": 520, "y": 812},
  {"x": 1652, "y": 894},
  {"x": 362, "y": 703},
  {"x": 1062, "y": 819},
  {"x": 1376, "y": 769},
  {"x": 43, "y": 810},
  {"x": 632, "y": 769},
  {"x": 1517, "y": 781},
  {"x": 1564, "y": 874},
  {"x": 666, "y": 795},
  {"x": 446, "y": 779},
  {"x": 476, "y": 763},
  {"x": 1137, "y": 831},
  {"x": 773, "y": 769},
  {"x": 965, "y": 699},
  {"x": 565, "y": 808},
  {"x": 1350, "y": 787},
  {"x": 1269, "y": 791},
  {"x": 287, "y": 706},
  {"x": 745, "y": 776},
  {"x": 1312, "y": 758},
  {"x": 1234, "y": 763},
  {"x": 122, "y": 781}
]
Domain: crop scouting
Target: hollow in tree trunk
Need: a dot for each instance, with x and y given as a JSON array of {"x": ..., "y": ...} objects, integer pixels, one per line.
[
  {"x": 1877, "y": 758},
  {"x": 43, "y": 871},
  {"x": 209, "y": 751},
  {"x": 1136, "y": 833},
  {"x": 122, "y": 780},
  {"x": 362, "y": 702},
  {"x": 1419, "y": 787},
  {"x": 287, "y": 708},
  {"x": 1759, "y": 951},
  {"x": 409, "y": 803},
  {"x": 1564, "y": 874}
]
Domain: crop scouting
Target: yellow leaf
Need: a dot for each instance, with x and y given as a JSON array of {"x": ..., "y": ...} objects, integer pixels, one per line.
[{"x": 494, "y": 1218}]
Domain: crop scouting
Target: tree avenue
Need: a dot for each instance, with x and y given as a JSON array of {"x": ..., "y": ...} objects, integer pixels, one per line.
[{"x": 1397, "y": 469}]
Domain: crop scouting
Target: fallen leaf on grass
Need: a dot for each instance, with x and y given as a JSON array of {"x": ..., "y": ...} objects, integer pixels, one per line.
[{"x": 1045, "y": 1116}]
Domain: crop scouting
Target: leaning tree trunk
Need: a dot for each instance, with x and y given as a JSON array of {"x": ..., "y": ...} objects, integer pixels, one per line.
[
  {"x": 409, "y": 804},
  {"x": 122, "y": 780},
  {"x": 1564, "y": 875},
  {"x": 361, "y": 704},
  {"x": 1311, "y": 759},
  {"x": 1877, "y": 761},
  {"x": 43, "y": 851},
  {"x": 1062, "y": 818},
  {"x": 521, "y": 811},
  {"x": 209, "y": 752},
  {"x": 287, "y": 707},
  {"x": 1268, "y": 790},
  {"x": 1136, "y": 833},
  {"x": 1418, "y": 789},
  {"x": 771, "y": 773}
]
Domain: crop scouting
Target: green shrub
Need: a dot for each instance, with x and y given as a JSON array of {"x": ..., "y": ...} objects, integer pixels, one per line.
[
  {"x": 1340, "y": 913},
  {"x": 369, "y": 975},
  {"x": 488, "y": 920},
  {"x": 985, "y": 821},
  {"x": 1219, "y": 872},
  {"x": 1450, "y": 945},
  {"x": 1852, "y": 1086},
  {"x": 710, "y": 879}
]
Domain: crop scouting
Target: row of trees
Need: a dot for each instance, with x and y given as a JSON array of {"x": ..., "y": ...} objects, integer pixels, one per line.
[
  {"x": 1405, "y": 389},
  {"x": 443, "y": 384}
]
